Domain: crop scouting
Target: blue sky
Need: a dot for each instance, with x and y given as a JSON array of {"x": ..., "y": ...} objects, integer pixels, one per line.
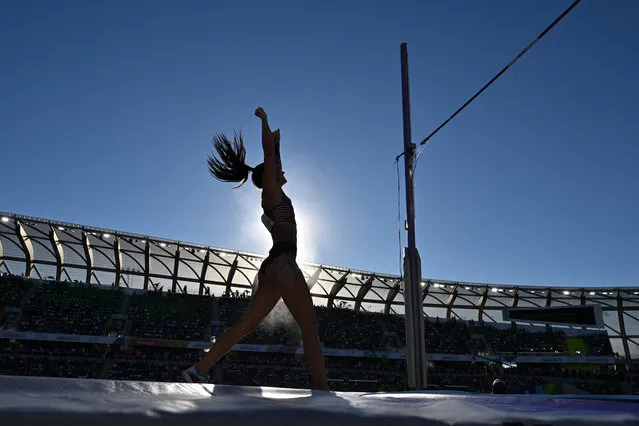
[{"x": 107, "y": 110}]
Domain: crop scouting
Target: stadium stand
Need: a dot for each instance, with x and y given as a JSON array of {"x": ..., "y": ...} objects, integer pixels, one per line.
[
  {"x": 94, "y": 320},
  {"x": 185, "y": 317},
  {"x": 12, "y": 289},
  {"x": 50, "y": 359},
  {"x": 59, "y": 308},
  {"x": 516, "y": 341}
]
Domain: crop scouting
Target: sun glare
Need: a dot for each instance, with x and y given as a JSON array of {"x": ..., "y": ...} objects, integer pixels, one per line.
[{"x": 307, "y": 238}]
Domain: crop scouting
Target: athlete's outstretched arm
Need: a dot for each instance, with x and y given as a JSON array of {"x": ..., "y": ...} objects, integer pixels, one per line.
[
  {"x": 271, "y": 148},
  {"x": 278, "y": 159}
]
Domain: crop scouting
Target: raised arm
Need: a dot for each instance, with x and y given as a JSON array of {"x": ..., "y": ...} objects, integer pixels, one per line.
[
  {"x": 278, "y": 159},
  {"x": 271, "y": 148}
]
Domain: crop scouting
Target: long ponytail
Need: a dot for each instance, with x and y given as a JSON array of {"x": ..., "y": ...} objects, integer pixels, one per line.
[{"x": 231, "y": 165}]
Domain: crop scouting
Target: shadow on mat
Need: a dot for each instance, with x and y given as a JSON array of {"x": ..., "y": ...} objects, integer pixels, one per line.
[
  {"x": 302, "y": 398},
  {"x": 224, "y": 390}
]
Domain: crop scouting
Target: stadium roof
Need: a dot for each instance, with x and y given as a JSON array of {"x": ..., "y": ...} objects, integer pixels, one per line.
[{"x": 48, "y": 249}]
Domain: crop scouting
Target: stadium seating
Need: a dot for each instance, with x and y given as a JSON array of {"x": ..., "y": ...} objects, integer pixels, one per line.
[
  {"x": 598, "y": 344},
  {"x": 520, "y": 341},
  {"x": 12, "y": 289},
  {"x": 170, "y": 316},
  {"x": 61, "y": 307},
  {"x": 232, "y": 308},
  {"x": 70, "y": 309},
  {"x": 51, "y": 359}
]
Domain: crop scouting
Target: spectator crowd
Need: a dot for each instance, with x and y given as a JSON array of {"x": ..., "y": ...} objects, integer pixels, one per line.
[{"x": 79, "y": 309}]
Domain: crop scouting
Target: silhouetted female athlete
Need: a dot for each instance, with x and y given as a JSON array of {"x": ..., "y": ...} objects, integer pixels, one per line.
[{"x": 279, "y": 275}]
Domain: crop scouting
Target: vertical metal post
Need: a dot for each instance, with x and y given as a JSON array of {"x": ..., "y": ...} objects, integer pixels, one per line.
[
  {"x": 414, "y": 314},
  {"x": 622, "y": 331}
]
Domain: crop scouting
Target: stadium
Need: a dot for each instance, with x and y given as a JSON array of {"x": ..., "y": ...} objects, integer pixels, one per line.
[
  {"x": 90, "y": 303},
  {"x": 103, "y": 325}
]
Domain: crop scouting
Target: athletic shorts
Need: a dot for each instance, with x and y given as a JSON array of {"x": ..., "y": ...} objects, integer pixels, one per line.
[{"x": 280, "y": 257}]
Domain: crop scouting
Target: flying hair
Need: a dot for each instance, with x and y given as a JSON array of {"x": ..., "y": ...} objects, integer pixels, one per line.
[{"x": 231, "y": 165}]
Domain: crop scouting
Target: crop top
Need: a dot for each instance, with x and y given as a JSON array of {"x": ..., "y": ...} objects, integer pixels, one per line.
[{"x": 282, "y": 213}]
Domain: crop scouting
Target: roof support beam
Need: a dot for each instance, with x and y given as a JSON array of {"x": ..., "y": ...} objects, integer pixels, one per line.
[
  {"x": 425, "y": 289},
  {"x": 147, "y": 264},
  {"x": 88, "y": 255},
  {"x": 339, "y": 284},
  {"x": 2, "y": 257},
  {"x": 515, "y": 299},
  {"x": 27, "y": 249},
  {"x": 361, "y": 293},
  {"x": 392, "y": 294},
  {"x": 482, "y": 304},
  {"x": 514, "y": 304},
  {"x": 622, "y": 332},
  {"x": 229, "y": 277},
  {"x": 312, "y": 280},
  {"x": 58, "y": 253},
  {"x": 117, "y": 256},
  {"x": 451, "y": 301},
  {"x": 176, "y": 266},
  {"x": 205, "y": 267}
]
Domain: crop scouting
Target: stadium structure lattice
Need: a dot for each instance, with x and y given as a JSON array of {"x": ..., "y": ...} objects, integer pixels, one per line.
[{"x": 48, "y": 249}]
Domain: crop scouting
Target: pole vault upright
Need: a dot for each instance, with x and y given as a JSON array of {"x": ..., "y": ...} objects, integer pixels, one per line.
[{"x": 414, "y": 314}]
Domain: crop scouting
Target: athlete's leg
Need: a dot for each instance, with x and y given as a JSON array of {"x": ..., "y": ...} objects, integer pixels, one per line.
[
  {"x": 297, "y": 296},
  {"x": 263, "y": 301}
]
